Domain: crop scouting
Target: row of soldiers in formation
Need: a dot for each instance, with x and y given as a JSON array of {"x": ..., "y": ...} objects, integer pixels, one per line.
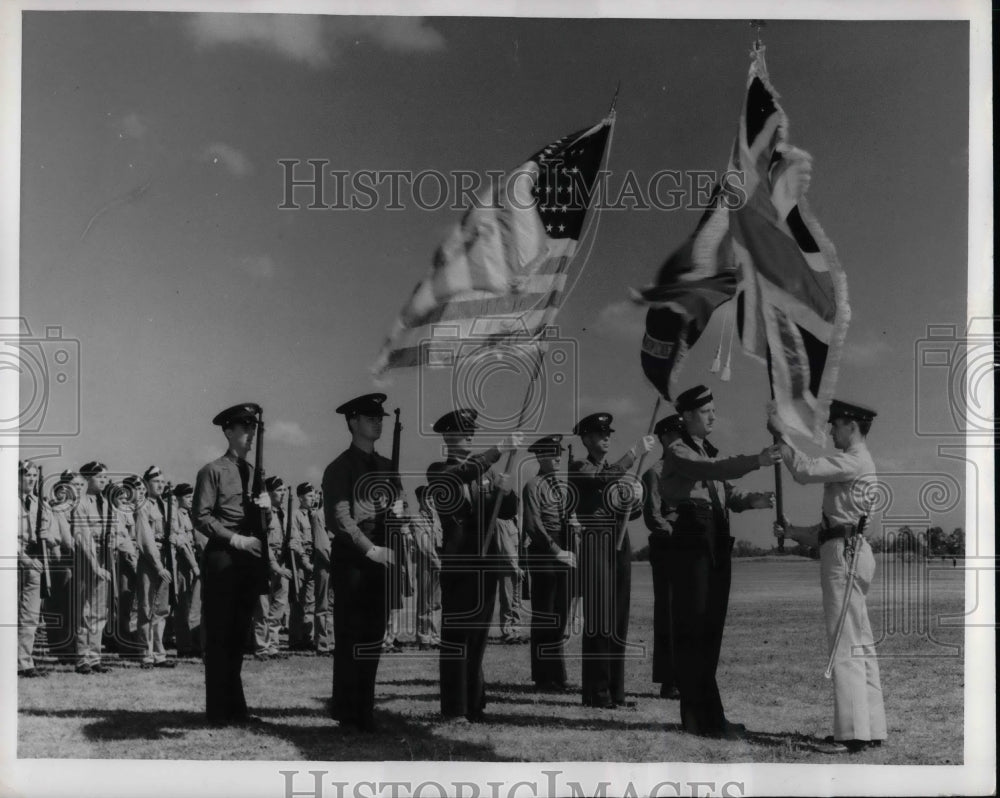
[{"x": 686, "y": 502}]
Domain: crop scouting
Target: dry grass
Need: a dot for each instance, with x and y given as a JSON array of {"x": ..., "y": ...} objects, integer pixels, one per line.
[{"x": 770, "y": 675}]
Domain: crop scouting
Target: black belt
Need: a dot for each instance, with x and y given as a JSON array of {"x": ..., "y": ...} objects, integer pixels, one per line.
[{"x": 836, "y": 532}]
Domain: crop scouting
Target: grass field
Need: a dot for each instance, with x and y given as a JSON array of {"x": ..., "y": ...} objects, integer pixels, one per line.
[{"x": 770, "y": 675}]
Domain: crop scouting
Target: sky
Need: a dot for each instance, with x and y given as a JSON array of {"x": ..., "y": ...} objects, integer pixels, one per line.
[{"x": 151, "y": 232}]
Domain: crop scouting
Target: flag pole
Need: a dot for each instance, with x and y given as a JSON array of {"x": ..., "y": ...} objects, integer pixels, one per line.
[
  {"x": 638, "y": 473},
  {"x": 779, "y": 508},
  {"x": 491, "y": 530}
]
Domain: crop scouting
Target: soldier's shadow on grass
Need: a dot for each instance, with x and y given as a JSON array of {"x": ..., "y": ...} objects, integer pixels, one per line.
[{"x": 123, "y": 724}]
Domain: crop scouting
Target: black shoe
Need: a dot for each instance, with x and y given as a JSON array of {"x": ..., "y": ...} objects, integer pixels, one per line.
[
  {"x": 33, "y": 673},
  {"x": 670, "y": 692},
  {"x": 455, "y": 720},
  {"x": 600, "y": 703},
  {"x": 99, "y": 668},
  {"x": 146, "y": 666},
  {"x": 84, "y": 668},
  {"x": 166, "y": 663}
]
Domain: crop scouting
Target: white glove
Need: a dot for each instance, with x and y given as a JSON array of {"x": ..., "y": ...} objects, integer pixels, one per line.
[
  {"x": 513, "y": 441},
  {"x": 263, "y": 501},
  {"x": 646, "y": 444},
  {"x": 245, "y": 543},
  {"x": 381, "y": 555},
  {"x": 567, "y": 558}
]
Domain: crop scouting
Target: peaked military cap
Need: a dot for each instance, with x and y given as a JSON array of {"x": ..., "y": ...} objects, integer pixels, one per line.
[
  {"x": 152, "y": 473},
  {"x": 184, "y": 489},
  {"x": 549, "y": 446},
  {"x": 671, "y": 423},
  {"x": 237, "y": 414},
  {"x": 369, "y": 404},
  {"x": 595, "y": 422},
  {"x": 92, "y": 468},
  {"x": 303, "y": 488},
  {"x": 693, "y": 398},
  {"x": 461, "y": 420},
  {"x": 273, "y": 483},
  {"x": 839, "y": 409}
]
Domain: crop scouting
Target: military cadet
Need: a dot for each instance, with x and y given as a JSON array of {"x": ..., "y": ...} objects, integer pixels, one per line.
[
  {"x": 271, "y": 606},
  {"x": 659, "y": 518},
  {"x": 302, "y": 615},
  {"x": 550, "y": 529},
  {"x": 231, "y": 565},
  {"x": 606, "y": 570},
  {"x": 154, "y": 577},
  {"x": 427, "y": 544},
  {"x": 361, "y": 492},
  {"x": 848, "y": 479},
  {"x": 464, "y": 495},
  {"x": 510, "y": 581},
  {"x": 322, "y": 588},
  {"x": 693, "y": 481},
  {"x": 130, "y": 495},
  {"x": 91, "y": 522},
  {"x": 187, "y": 613},
  {"x": 31, "y": 539},
  {"x": 58, "y": 608}
]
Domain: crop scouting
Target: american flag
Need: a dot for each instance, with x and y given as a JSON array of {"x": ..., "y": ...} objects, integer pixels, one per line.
[{"x": 501, "y": 272}]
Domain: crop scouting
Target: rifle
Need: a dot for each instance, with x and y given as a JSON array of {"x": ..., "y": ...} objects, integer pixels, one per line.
[
  {"x": 109, "y": 558},
  {"x": 286, "y": 550},
  {"x": 46, "y": 577},
  {"x": 260, "y": 517},
  {"x": 400, "y": 575},
  {"x": 169, "y": 560}
]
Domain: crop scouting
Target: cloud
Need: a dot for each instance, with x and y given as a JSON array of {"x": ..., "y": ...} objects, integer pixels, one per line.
[
  {"x": 312, "y": 40},
  {"x": 231, "y": 158},
  {"x": 622, "y": 319},
  {"x": 866, "y": 352},
  {"x": 260, "y": 266},
  {"x": 287, "y": 432},
  {"x": 132, "y": 126}
]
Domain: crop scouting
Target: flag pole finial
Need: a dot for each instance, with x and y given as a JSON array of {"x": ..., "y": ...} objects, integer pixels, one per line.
[
  {"x": 614, "y": 100},
  {"x": 757, "y": 24}
]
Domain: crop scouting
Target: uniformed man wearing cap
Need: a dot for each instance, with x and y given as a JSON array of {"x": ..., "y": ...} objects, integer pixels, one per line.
[
  {"x": 549, "y": 526},
  {"x": 322, "y": 545},
  {"x": 31, "y": 539},
  {"x": 91, "y": 521},
  {"x": 849, "y": 481},
  {"x": 232, "y": 562},
  {"x": 187, "y": 614},
  {"x": 362, "y": 494},
  {"x": 125, "y": 632},
  {"x": 154, "y": 578},
  {"x": 302, "y": 616},
  {"x": 60, "y": 620},
  {"x": 270, "y": 608},
  {"x": 464, "y": 494},
  {"x": 606, "y": 571},
  {"x": 659, "y": 517},
  {"x": 694, "y": 481},
  {"x": 427, "y": 543}
]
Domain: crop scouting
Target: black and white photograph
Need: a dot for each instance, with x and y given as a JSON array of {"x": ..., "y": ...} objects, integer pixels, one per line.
[{"x": 431, "y": 399}]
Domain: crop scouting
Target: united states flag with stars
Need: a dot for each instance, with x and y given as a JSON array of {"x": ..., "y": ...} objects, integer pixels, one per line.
[{"x": 500, "y": 274}]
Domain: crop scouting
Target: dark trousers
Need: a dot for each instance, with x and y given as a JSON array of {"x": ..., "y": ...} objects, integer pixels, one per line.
[
  {"x": 360, "y": 613},
  {"x": 663, "y": 639},
  {"x": 58, "y": 609},
  {"x": 468, "y": 598},
  {"x": 700, "y": 573},
  {"x": 549, "y": 618},
  {"x": 606, "y": 582},
  {"x": 229, "y": 594}
]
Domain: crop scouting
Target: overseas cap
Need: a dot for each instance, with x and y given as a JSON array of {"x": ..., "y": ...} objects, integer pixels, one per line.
[
  {"x": 693, "y": 398},
  {"x": 303, "y": 488},
  {"x": 273, "y": 483},
  {"x": 184, "y": 489}
]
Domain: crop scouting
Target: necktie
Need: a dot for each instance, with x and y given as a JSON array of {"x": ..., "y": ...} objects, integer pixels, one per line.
[{"x": 244, "y": 470}]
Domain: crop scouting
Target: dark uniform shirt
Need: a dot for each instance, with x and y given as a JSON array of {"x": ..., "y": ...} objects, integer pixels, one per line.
[
  {"x": 220, "y": 497},
  {"x": 545, "y": 520},
  {"x": 359, "y": 500}
]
